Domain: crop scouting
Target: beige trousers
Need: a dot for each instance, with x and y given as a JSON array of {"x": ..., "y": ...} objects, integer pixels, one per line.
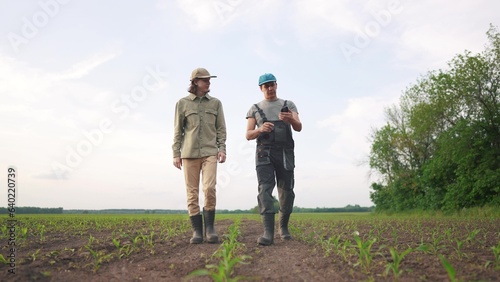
[{"x": 207, "y": 166}]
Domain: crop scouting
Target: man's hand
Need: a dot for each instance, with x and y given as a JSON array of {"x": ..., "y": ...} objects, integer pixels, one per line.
[
  {"x": 178, "y": 162},
  {"x": 286, "y": 117},
  {"x": 266, "y": 127},
  {"x": 291, "y": 118},
  {"x": 221, "y": 157}
]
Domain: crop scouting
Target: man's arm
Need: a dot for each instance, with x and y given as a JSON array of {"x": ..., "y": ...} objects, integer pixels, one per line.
[
  {"x": 178, "y": 130},
  {"x": 253, "y": 132},
  {"x": 293, "y": 119},
  {"x": 221, "y": 133}
]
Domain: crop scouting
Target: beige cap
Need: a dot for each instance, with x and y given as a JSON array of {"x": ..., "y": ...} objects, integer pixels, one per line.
[{"x": 201, "y": 73}]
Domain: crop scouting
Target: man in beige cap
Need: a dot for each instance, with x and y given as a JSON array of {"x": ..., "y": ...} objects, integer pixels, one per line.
[{"x": 199, "y": 143}]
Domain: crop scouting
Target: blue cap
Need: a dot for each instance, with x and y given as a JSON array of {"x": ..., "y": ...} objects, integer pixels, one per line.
[{"x": 265, "y": 78}]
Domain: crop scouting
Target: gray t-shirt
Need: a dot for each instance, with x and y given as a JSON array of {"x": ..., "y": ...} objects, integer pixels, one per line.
[{"x": 271, "y": 110}]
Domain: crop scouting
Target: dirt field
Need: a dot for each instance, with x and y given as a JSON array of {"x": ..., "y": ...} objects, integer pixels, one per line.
[{"x": 62, "y": 258}]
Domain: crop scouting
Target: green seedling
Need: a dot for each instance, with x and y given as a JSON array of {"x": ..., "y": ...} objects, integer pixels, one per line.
[
  {"x": 5, "y": 231},
  {"x": 458, "y": 248},
  {"x": 344, "y": 250},
  {"x": 91, "y": 240},
  {"x": 53, "y": 254},
  {"x": 135, "y": 240},
  {"x": 116, "y": 242},
  {"x": 332, "y": 244},
  {"x": 128, "y": 249},
  {"x": 42, "y": 233},
  {"x": 394, "y": 235},
  {"x": 496, "y": 254},
  {"x": 449, "y": 268},
  {"x": 228, "y": 259},
  {"x": 34, "y": 255},
  {"x": 99, "y": 257},
  {"x": 436, "y": 243},
  {"x": 150, "y": 242},
  {"x": 71, "y": 250},
  {"x": 24, "y": 233},
  {"x": 3, "y": 260},
  {"x": 397, "y": 258},
  {"x": 364, "y": 252},
  {"x": 472, "y": 235}
]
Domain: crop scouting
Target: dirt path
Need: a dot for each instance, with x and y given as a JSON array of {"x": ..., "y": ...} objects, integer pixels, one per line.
[
  {"x": 283, "y": 261},
  {"x": 173, "y": 260}
]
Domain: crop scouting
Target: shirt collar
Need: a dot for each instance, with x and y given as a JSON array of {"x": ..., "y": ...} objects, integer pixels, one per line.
[{"x": 192, "y": 96}]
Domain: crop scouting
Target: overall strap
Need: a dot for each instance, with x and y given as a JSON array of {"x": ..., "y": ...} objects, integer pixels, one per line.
[{"x": 261, "y": 113}]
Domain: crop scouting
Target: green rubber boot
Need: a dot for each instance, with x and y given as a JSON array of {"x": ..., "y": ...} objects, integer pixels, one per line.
[
  {"x": 268, "y": 237},
  {"x": 283, "y": 221},
  {"x": 197, "y": 224},
  {"x": 210, "y": 233}
]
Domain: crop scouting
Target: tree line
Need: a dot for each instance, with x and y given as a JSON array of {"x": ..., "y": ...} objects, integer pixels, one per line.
[
  {"x": 440, "y": 146},
  {"x": 32, "y": 210},
  {"x": 255, "y": 210}
]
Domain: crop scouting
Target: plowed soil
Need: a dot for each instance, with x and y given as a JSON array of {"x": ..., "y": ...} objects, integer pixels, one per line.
[{"x": 174, "y": 259}]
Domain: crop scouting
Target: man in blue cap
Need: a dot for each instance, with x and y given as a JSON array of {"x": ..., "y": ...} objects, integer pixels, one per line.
[{"x": 270, "y": 122}]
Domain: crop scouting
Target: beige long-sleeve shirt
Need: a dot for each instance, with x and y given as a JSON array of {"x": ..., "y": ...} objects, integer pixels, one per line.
[{"x": 199, "y": 127}]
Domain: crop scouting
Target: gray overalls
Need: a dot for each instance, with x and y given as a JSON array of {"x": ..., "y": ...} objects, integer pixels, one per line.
[{"x": 275, "y": 162}]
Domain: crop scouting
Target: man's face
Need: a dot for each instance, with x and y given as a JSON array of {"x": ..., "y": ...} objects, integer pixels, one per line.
[
  {"x": 203, "y": 85},
  {"x": 269, "y": 90}
]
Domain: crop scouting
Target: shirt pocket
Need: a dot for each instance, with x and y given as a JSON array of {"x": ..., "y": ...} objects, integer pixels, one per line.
[
  {"x": 192, "y": 119},
  {"x": 210, "y": 116}
]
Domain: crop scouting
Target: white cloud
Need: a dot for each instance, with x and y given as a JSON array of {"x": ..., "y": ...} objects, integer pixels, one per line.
[
  {"x": 31, "y": 84},
  {"x": 84, "y": 67},
  {"x": 263, "y": 49},
  {"x": 202, "y": 14},
  {"x": 429, "y": 39},
  {"x": 216, "y": 14},
  {"x": 19, "y": 80},
  {"x": 350, "y": 128},
  {"x": 314, "y": 17},
  {"x": 323, "y": 22},
  {"x": 428, "y": 47}
]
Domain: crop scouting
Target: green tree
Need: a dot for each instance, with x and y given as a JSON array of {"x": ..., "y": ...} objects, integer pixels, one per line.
[{"x": 440, "y": 148}]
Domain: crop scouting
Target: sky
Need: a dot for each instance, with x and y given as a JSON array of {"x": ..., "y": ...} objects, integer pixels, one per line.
[{"x": 88, "y": 90}]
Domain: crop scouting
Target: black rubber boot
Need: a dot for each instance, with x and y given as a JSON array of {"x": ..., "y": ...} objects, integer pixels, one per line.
[
  {"x": 197, "y": 224},
  {"x": 210, "y": 234},
  {"x": 283, "y": 220},
  {"x": 268, "y": 237}
]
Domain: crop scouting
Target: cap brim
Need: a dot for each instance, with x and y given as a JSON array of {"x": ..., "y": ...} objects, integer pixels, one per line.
[
  {"x": 264, "y": 82},
  {"x": 207, "y": 76}
]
